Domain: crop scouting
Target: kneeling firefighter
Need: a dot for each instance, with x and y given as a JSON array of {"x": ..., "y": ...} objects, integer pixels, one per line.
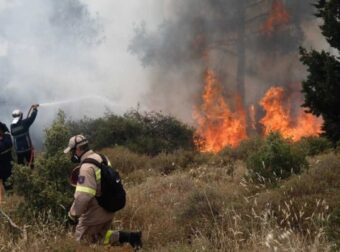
[{"x": 92, "y": 220}]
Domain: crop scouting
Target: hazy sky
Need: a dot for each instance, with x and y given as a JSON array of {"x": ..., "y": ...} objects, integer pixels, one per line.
[{"x": 68, "y": 49}]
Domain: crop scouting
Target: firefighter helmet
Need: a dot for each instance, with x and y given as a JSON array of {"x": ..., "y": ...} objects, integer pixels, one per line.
[{"x": 17, "y": 115}]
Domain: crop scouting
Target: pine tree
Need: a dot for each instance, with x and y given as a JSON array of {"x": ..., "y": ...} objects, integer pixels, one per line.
[{"x": 321, "y": 89}]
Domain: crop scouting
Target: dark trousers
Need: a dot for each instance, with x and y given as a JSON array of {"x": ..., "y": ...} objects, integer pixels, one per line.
[{"x": 26, "y": 158}]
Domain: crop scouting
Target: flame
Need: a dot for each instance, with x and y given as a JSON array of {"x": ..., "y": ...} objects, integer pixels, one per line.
[
  {"x": 218, "y": 126},
  {"x": 307, "y": 125},
  {"x": 278, "y": 117},
  {"x": 278, "y": 16}
]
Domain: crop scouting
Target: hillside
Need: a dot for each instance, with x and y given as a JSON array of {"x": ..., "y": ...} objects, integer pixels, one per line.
[{"x": 190, "y": 201}]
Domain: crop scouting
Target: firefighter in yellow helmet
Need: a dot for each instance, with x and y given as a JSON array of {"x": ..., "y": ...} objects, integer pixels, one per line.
[{"x": 92, "y": 222}]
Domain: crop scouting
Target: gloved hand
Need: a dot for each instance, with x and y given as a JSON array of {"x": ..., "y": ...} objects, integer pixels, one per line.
[
  {"x": 35, "y": 106},
  {"x": 71, "y": 219}
]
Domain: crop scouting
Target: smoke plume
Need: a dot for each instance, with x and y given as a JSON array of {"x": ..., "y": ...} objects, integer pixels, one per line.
[
  {"x": 69, "y": 50},
  {"x": 217, "y": 34}
]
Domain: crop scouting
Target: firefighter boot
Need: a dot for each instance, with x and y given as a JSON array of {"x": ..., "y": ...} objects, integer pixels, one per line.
[{"x": 133, "y": 238}]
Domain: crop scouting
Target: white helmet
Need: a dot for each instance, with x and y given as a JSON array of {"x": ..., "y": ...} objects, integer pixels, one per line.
[{"x": 17, "y": 115}]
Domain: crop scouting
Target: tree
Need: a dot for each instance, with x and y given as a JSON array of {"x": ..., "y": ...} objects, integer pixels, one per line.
[{"x": 321, "y": 89}]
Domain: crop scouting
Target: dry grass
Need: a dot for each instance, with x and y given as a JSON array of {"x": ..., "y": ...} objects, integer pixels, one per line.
[{"x": 207, "y": 208}]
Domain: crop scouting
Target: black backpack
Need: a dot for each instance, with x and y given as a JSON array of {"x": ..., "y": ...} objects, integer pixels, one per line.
[{"x": 113, "y": 195}]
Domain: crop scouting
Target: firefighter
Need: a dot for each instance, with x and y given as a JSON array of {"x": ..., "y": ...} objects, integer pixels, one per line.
[
  {"x": 92, "y": 221},
  {"x": 5, "y": 158},
  {"x": 21, "y": 137}
]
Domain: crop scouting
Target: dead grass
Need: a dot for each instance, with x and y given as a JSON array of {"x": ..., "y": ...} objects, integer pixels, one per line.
[{"x": 207, "y": 208}]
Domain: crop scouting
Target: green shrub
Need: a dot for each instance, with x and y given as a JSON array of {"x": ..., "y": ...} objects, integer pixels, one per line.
[
  {"x": 245, "y": 149},
  {"x": 46, "y": 188},
  {"x": 248, "y": 147},
  {"x": 314, "y": 145},
  {"x": 149, "y": 133},
  {"x": 276, "y": 159}
]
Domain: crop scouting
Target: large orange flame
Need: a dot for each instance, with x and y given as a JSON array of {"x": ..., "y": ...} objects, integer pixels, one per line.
[
  {"x": 278, "y": 16},
  {"x": 278, "y": 117},
  {"x": 218, "y": 126}
]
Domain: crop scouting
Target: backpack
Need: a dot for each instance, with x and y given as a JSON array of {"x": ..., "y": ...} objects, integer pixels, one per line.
[{"x": 113, "y": 195}]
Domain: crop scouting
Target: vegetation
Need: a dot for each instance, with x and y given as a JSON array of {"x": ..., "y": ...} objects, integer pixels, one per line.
[
  {"x": 45, "y": 189},
  {"x": 321, "y": 87},
  {"x": 276, "y": 159},
  {"x": 314, "y": 145},
  {"x": 148, "y": 133},
  {"x": 190, "y": 201}
]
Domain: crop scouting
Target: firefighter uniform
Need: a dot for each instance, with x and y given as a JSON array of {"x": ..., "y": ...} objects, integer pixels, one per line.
[
  {"x": 5, "y": 156},
  {"x": 22, "y": 140},
  {"x": 94, "y": 221}
]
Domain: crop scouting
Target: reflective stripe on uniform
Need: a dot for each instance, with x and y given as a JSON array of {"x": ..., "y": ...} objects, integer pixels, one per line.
[
  {"x": 86, "y": 189},
  {"x": 107, "y": 237},
  {"x": 98, "y": 175}
]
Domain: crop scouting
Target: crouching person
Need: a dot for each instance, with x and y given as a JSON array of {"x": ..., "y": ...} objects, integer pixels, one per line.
[{"x": 92, "y": 220}]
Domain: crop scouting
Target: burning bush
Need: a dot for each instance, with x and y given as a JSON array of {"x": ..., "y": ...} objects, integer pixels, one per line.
[{"x": 276, "y": 159}]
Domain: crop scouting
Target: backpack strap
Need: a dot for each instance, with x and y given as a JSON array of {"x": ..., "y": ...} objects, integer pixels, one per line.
[
  {"x": 92, "y": 161},
  {"x": 95, "y": 162}
]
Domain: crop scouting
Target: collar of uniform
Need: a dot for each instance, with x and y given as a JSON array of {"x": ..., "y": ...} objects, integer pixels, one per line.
[{"x": 86, "y": 155}]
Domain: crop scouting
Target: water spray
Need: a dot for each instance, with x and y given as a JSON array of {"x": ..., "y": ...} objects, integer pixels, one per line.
[{"x": 101, "y": 99}]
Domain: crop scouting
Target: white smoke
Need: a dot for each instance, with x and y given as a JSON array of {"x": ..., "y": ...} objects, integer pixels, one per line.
[{"x": 53, "y": 51}]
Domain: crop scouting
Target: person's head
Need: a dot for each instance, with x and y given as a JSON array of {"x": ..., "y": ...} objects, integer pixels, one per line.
[
  {"x": 17, "y": 116},
  {"x": 77, "y": 146}
]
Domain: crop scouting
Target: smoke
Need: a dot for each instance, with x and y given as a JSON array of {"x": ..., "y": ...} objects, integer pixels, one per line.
[
  {"x": 70, "y": 50},
  {"x": 199, "y": 34},
  {"x": 53, "y": 52}
]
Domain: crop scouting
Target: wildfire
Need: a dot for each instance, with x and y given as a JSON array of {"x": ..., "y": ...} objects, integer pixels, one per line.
[
  {"x": 278, "y": 16},
  {"x": 278, "y": 117},
  {"x": 218, "y": 126}
]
